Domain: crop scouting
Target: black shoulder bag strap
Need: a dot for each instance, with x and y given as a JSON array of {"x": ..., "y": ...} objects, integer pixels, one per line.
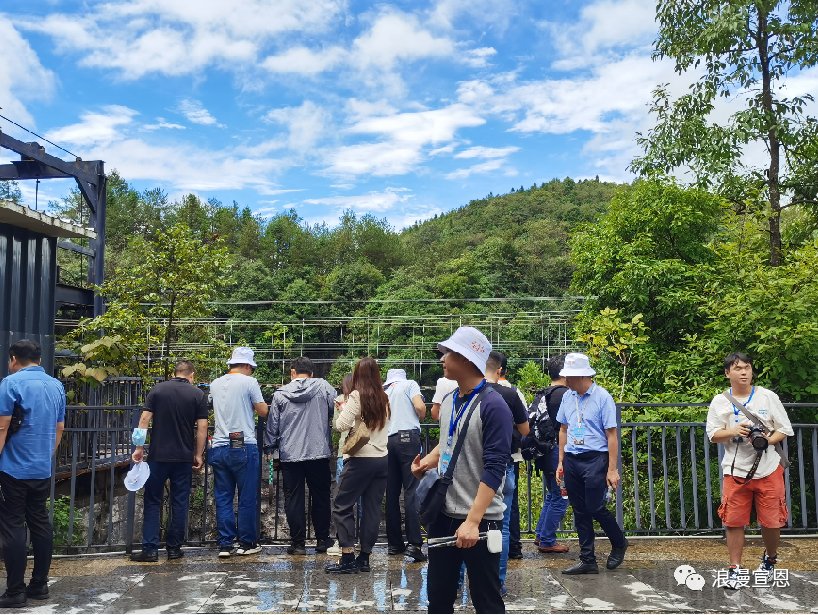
[
  {"x": 785, "y": 463},
  {"x": 448, "y": 476}
]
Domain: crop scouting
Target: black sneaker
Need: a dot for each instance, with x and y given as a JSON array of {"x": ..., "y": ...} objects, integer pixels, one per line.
[
  {"x": 145, "y": 556},
  {"x": 12, "y": 601},
  {"x": 175, "y": 553},
  {"x": 322, "y": 544},
  {"x": 37, "y": 591},
  {"x": 362, "y": 561},
  {"x": 396, "y": 550},
  {"x": 347, "y": 565},
  {"x": 416, "y": 553},
  {"x": 296, "y": 549}
]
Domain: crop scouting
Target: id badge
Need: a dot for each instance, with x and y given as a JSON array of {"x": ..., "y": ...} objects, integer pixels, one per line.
[
  {"x": 445, "y": 460},
  {"x": 579, "y": 435}
]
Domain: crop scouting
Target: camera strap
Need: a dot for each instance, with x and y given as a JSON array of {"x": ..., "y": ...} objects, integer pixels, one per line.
[{"x": 784, "y": 462}]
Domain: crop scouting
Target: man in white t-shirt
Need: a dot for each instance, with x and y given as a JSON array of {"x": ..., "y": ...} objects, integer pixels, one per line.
[
  {"x": 234, "y": 453},
  {"x": 444, "y": 387},
  {"x": 407, "y": 409},
  {"x": 752, "y": 466}
]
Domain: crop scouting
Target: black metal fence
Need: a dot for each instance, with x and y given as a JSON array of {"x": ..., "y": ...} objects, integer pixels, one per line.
[{"x": 671, "y": 482}]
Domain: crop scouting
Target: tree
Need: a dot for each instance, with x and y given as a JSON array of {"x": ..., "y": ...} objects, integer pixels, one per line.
[
  {"x": 10, "y": 191},
  {"x": 171, "y": 275},
  {"x": 744, "y": 52}
]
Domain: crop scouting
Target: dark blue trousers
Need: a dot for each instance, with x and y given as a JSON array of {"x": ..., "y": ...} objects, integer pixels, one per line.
[
  {"x": 586, "y": 482},
  {"x": 179, "y": 474}
]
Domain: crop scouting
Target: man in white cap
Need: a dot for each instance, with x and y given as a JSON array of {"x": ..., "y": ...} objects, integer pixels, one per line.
[
  {"x": 234, "y": 453},
  {"x": 474, "y": 500},
  {"x": 588, "y": 457},
  {"x": 407, "y": 409}
]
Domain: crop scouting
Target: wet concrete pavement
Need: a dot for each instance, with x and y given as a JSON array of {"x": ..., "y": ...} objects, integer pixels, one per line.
[{"x": 272, "y": 581}]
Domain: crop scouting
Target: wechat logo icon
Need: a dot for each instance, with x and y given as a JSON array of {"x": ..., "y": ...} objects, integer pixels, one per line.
[{"x": 687, "y": 575}]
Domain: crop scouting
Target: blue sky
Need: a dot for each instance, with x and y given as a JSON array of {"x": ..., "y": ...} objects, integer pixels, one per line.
[{"x": 401, "y": 109}]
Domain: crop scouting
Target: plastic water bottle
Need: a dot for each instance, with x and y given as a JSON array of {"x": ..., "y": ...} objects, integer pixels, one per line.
[
  {"x": 563, "y": 490},
  {"x": 609, "y": 495}
]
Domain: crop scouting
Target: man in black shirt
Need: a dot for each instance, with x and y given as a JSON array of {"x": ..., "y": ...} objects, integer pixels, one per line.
[{"x": 175, "y": 406}]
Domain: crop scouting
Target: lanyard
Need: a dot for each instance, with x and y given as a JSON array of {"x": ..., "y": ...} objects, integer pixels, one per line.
[
  {"x": 457, "y": 411},
  {"x": 749, "y": 399},
  {"x": 580, "y": 415}
]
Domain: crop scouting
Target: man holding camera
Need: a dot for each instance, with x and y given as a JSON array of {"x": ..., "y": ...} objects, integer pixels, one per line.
[{"x": 750, "y": 422}]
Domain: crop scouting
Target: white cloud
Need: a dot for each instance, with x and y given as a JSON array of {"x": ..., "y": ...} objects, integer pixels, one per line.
[
  {"x": 22, "y": 75},
  {"x": 177, "y": 165},
  {"x": 490, "y": 14},
  {"x": 304, "y": 61},
  {"x": 306, "y": 124},
  {"x": 483, "y": 167},
  {"x": 370, "y": 202},
  {"x": 421, "y": 127},
  {"x": 161, "y": 123},
  {"x": 96, "y": 128},
  {"x": 396, "y": 36},
  {"x": 195, "y": 113},
  {"x": 487, "y": 152},
  {"x": 176, "y": 37},
  {"x": 479, "y": 58},
  {"x": 403, "y": 140},
  {"x": 604, "y": 27}
]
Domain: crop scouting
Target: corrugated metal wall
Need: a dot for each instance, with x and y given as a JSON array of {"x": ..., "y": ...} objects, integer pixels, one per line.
[{"x": 28, "y": 275}]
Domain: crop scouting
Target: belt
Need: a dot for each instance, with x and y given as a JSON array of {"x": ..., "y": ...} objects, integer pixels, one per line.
[{"x": 402, "y": 431}]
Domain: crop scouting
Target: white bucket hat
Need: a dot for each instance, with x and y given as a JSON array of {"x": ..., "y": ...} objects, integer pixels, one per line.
[
  {"x": 577, "y": 364},
  {"x": 138, "y": 475},
  {"x": 242, "y": 354},
  {"x": 470, "y": 343},
  {"x": 394, "y": 375}
]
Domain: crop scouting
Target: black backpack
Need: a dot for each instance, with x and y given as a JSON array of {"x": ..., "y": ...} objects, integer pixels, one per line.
[{"x": 543, "y": 429}]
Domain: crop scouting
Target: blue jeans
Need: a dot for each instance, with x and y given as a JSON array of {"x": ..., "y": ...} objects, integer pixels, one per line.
[
  {"x": 508, "y": 497},
  {"x": 180, "y": 478},
  {"x": 236, "y": 468},
  {"x": 554, "y": 505}
]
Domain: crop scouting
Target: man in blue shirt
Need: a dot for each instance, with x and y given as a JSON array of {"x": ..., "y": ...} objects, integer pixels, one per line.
[
  {"x": 32, "y": 414},
  {"x": 589, "y": 447}
]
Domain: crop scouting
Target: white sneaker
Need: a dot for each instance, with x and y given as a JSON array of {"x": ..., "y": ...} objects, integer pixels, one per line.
[
  {"x": 225, "y": 552},
  {"x": 732, "y": 581},
  {"x": 766, "y": 569},
  {"x": 249, "y": 550},
  {"x": 335, "y": 549}
]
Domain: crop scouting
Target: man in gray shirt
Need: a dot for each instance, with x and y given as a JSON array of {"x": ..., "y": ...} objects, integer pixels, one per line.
[
  {"x": 299, "y": 427},
  {"x": 234, "y": 453}
]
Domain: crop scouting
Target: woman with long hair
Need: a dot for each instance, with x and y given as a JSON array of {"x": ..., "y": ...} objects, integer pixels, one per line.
[{"x": 365, "y": 470}]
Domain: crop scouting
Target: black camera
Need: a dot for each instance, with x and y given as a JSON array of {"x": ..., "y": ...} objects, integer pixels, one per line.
[{"x": 757, "y": 437}]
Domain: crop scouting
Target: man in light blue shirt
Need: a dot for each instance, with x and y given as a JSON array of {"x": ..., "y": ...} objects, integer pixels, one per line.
[
  {"x": 407, "y": 409},
  {"x": 234, "y": 453},
  {"x": 588, "y": 457},
  {"x": 32, "y": 415}
]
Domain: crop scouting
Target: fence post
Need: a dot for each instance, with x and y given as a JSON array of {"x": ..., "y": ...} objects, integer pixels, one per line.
[{"x": 620, "y": 510}]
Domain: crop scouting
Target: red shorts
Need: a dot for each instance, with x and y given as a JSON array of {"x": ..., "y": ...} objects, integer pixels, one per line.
[{"x": 767, "y": 494}]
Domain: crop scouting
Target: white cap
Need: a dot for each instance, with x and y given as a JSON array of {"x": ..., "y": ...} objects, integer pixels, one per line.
[
  {"x": 577, "y": 364},
  {"x": 242, "y": 354},
  {"x": 470, "y": 343},
  {"x": 138, "y": 476},
  {"x": 394, "y": 375}
]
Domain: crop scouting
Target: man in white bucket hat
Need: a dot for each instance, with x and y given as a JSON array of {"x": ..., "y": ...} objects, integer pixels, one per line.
[
  {"x": 474, "y": 500},
  {"x": 234, "y": 453},
  {"x": 589, "y": 448}
]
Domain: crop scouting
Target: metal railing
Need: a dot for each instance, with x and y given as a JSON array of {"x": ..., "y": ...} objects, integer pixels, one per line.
[{"x": 671, "y": 482}]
